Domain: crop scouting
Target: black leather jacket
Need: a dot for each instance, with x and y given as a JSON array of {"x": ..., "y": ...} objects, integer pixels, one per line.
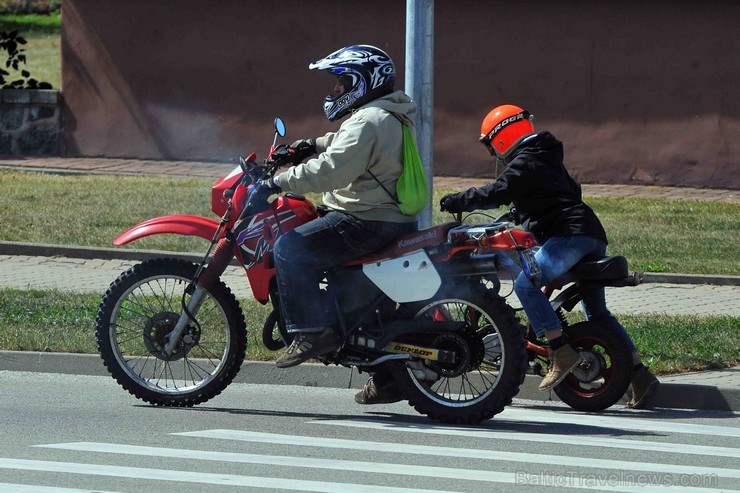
[{"x": 547, "y": 200}]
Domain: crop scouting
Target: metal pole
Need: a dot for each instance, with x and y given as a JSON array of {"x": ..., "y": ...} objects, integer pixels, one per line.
[{"x": 419, "y": 84}]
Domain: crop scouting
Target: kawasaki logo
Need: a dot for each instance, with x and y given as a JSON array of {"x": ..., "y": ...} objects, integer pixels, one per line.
[{"x": 430, "y": 235}]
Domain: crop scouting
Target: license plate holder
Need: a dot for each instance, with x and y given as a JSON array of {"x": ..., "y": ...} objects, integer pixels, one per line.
[{"x": 529, "y": 264}]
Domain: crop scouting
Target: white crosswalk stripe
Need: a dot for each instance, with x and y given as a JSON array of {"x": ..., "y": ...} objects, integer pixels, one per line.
[
  {"x": 454, "y": 452},
  {"x": 197, "y": 477},
  {"x": 542, "y": 438},
  {"x": 401, "y": 449},
  {"x": 27, "y": 488}
]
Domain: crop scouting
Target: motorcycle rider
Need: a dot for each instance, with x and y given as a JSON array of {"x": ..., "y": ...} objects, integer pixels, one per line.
[
  {"x": 356, "y": 168},
  {"x": 548, "y": 202}
]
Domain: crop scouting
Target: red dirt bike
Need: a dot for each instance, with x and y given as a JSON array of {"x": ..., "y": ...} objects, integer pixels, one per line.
[
  {"x": 604, "y": 375},
  {"x": 172, "y": 333}
]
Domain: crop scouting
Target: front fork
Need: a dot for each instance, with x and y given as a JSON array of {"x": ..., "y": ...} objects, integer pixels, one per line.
[{"x": 205, "y": 277}]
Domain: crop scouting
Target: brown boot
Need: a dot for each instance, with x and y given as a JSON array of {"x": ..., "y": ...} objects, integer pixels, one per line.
[
  {"x": 644, "y": 384},
  {"x": 562, "y": 361},
  {"x": 372, "y": 393}
]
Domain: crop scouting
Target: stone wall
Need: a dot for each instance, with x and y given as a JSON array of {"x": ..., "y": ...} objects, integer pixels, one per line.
[{"x": 29, "y": 122}]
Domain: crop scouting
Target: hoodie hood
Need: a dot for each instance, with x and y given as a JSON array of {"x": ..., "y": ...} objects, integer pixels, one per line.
[{"x": 396, "y": 102}]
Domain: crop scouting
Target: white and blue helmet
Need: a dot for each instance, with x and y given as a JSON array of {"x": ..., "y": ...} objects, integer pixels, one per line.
[{"x": 365, "y": 72}]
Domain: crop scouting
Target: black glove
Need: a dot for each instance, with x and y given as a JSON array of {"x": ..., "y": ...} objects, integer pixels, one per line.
[
  {"x": 450, "y": 203},
  {"x": 259, "y": 194},
  {"x": 295, "y": 153},
  {"x": 304, "y": 148}
]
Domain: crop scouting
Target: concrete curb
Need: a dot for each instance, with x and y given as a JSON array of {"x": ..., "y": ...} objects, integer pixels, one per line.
[
  {"x": 671, "y": 395},
  {"x": 47, "y": 250}
]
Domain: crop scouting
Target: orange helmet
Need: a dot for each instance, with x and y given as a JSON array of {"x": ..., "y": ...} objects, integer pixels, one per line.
[{"x": 503, "y": 126}]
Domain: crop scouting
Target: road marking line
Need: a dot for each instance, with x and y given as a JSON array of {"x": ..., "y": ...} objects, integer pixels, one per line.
[
  {"x": 281, "y": 460},
  {"x": 631, "y": 423},
  {"x": 518, "y": 457},
  {"x": 30, "y": 488},
  {"x": 261, "y": 482},
  {"x": 647, "y": 483},
  {"x": 675, "y": 448}
]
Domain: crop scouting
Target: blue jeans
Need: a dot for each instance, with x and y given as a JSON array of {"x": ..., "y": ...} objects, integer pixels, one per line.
[
  {"x": 303, "y": 254},
  {"x": 556, "y": 257}
]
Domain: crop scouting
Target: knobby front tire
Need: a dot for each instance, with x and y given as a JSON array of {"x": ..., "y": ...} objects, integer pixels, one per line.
[{"x": 137, "y": 313}]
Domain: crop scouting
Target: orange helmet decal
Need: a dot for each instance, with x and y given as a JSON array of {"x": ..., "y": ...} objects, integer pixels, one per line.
[{"x": 503, "y": 126}]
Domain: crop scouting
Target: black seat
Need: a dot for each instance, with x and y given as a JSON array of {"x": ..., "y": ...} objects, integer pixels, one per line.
[{"x": 600, "y": 269}]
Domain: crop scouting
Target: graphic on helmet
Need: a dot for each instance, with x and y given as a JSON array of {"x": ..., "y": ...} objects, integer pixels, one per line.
[
  {"x": 503, "y": 127},
  {"x": 365, "y": 73}
]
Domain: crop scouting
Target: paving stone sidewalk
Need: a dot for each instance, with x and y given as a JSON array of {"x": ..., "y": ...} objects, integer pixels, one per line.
[
  {"x": 217, "y": 170},
  {"x": 95, "y": 275}
]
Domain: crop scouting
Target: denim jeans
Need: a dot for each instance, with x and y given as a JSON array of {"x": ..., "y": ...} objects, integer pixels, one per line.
[
  {"x": 556, "y": 257},
  {"x": 303, "y": 254}
]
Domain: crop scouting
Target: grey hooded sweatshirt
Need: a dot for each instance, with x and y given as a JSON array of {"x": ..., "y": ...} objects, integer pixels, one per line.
[{"x": 369, "y": 140}]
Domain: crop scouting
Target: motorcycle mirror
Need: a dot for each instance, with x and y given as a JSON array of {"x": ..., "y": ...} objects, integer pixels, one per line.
[{"x": 280, "y": 126}]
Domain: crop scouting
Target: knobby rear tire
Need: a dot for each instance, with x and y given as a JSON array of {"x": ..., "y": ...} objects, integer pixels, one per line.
[
  {"x": 510, "y": 334},
  {"x": 611, "y": 384}
]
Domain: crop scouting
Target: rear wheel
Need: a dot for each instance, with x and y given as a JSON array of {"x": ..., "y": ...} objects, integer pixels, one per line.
[
  {"x": 603, "y": 378},
  {"x": 489, "y": 365},
  {"x": 135, "y": 318}
]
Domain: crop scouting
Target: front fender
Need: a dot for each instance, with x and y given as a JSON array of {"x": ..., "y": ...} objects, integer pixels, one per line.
[{"x": 181, "y": 224}]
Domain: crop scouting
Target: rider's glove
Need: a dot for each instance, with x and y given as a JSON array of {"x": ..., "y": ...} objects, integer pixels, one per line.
[
  {"x": 304, "y": 148},
  {"x": 450, "y": 203},
  {"x": 260, "y": 193},
  {"x": 295, "y": 153}
]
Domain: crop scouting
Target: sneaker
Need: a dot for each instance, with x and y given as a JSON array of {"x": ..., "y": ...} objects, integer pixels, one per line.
[
  {"x": 563, "y": 361},
  {"x": 375, "y": 394},
  {"x": 644, "y": 385},
  {"x": 307, "y": 346}
]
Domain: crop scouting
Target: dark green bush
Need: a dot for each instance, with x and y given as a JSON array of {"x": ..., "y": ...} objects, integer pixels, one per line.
[{"x": 11, "y": 49}]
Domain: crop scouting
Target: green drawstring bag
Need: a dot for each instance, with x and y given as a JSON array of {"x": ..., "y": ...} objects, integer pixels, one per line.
[{"x": 412, "y": 191}]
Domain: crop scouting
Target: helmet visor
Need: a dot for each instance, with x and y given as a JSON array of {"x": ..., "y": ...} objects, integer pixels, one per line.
[{"x": 487, "y": 142}]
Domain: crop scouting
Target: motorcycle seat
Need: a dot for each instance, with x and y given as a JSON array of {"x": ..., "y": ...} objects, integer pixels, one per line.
[
  {"x": 407, "y": 243},
  {"x": 600, "y": 269}
]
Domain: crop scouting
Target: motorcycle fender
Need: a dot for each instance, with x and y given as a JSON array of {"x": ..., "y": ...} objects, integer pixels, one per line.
[
  {"x": 411, "y": 277},
  {"x": 567, "y": 299},
  {"x": 181, "y": 224}
]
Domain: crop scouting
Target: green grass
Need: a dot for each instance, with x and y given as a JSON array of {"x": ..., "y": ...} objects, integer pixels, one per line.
[
  {"x": 43, "y": 51},
  {"x": 92, "y": 210},
  {"x": 58, "y": 321}
]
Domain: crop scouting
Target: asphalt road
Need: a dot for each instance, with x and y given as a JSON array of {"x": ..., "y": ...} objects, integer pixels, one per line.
[{"x": 64, "y": 433}]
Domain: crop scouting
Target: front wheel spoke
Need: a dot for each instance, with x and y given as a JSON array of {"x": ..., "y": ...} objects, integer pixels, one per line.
[
  {"x": 197, "y": 369},
  {"x": 208, "y": 353},
  {"x": 144, "y": 304},
  {"x": 193, "y": 364},
  {"x": 137, "y": 360},
  {"x": 121, "y": 342},
  {"x": 163, "y": 371}
]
